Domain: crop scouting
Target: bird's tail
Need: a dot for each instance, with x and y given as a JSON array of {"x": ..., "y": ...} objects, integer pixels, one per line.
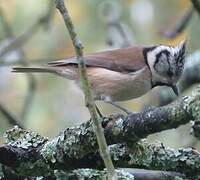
[
  {"x": 69, "y": 73},
  {"x": 33, "y": 70}
]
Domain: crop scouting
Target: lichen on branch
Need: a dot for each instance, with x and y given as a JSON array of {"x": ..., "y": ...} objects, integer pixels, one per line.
[{"x": 28, "y": 152}]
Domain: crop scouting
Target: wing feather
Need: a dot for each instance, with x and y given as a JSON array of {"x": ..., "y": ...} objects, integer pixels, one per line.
[{"x": 121, "y": 60}]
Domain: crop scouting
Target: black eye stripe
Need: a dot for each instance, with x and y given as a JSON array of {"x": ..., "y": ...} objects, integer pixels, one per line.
[
  {"x": 146, "y": 50},
  {"x": 166, "y": 52}
]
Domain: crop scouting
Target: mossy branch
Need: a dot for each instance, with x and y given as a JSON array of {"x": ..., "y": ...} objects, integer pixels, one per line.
[
  {"x": 27, "y": 154},
  {"x": 25, "y": 149},
  {"x": 123, "y": 174}
]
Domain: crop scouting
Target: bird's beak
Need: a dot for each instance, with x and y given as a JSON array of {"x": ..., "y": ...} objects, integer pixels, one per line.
[{"x": 175, "y": 89}]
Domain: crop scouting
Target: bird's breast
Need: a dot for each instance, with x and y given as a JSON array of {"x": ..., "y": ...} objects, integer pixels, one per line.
[
  {"x": 119, "y": 86},
  {"x": 130, "y": 90}
]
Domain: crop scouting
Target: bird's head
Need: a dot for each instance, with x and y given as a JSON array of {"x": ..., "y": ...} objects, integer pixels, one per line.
[{"x": 166, "y": 64}]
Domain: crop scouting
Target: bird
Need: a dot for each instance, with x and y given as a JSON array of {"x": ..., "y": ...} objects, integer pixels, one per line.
[{"x": 122, "y": 74}]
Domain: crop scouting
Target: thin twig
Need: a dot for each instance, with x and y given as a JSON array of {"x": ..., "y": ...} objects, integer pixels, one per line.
[
  {"x": 8, "y": 34},
  {"x": 180, "y": 26},
  {"x": 121, "y": 31},
  {"x": 24, "y": 37},
  {"x": 18, "y": 42},
  {"x": 86, "y": 87},
  {"x": 30, "y": 77},
  {"x": 110, "y": 15},
  {"x": 48, "y": 16},
  {"x": 11, "y": 119},
  {"x": 42, "y": 21}
]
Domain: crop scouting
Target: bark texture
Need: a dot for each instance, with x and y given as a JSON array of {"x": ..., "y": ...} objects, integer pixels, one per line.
[{"x": 29, "y": 154}]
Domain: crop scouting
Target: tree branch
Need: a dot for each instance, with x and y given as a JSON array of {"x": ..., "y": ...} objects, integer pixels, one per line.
[
  {"x": 86, "y": 88},
  {"x": 24, "y": 37},
  {"x": 24, "y": 155},
  {"x": 17, "y": 43},
  {"x": 148, "y": 156},
  {"x": 126, "y": 174},
  {"x": 26, "y": 148},
  {"x": 117, "y": 35}
]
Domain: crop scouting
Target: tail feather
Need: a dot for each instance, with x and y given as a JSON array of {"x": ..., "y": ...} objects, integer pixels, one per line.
[
  {"x": 33, "y": 70},
  {"x": 63, "y": 62},
  {"x": 69, "y": 73}
]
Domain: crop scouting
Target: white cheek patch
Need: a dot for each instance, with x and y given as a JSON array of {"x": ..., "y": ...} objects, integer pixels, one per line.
[{"x": 151, "y": 58}]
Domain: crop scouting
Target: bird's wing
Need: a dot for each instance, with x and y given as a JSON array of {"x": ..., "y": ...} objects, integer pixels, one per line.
[{"x": 121, "y": 60}]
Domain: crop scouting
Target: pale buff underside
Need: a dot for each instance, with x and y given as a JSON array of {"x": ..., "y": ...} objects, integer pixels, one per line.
[{"x": 112, "y": 85}]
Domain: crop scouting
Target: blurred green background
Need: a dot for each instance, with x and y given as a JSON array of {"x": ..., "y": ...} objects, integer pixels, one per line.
[{"x": 57, "y": 102}]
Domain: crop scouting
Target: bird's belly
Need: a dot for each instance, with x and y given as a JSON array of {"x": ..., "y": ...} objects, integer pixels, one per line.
[
  {"x": 116, "y": 86},
  {"x": 131, "y": 91},
  {"x": 121, "y": 91}
]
